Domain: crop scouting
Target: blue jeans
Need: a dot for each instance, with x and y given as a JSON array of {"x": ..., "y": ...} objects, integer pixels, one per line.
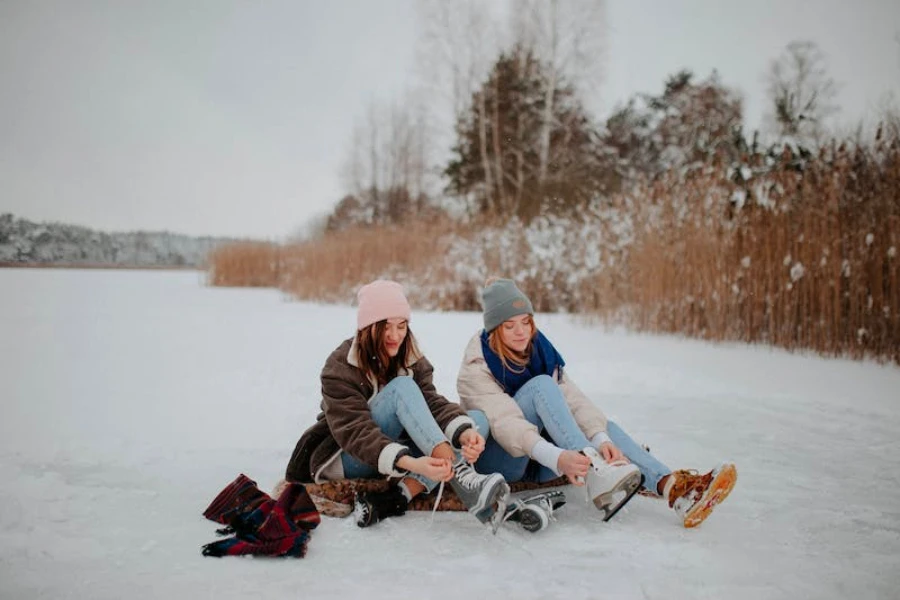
[
  {"x": 543, "y": 404},
  {"x": 400, "y": 407}
]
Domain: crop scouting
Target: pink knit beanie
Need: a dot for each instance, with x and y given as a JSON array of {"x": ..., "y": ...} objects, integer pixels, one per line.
[{"x": 379, "y": 300}]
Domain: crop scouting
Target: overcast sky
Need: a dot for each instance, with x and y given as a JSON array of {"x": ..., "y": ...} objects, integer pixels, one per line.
[{"x": 228, "y": 117}]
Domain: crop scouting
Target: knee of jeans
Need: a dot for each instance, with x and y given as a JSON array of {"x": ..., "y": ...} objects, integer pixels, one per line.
[
  {"x": 481, "y": 422},
  {"x": 405, "y": 386},
  {"x": 542, "y": 382}
]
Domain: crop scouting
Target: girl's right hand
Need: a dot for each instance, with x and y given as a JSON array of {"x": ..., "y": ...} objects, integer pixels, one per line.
[
  {"x": 574, "y": 465},
  {"x": 435, "y": 469}
]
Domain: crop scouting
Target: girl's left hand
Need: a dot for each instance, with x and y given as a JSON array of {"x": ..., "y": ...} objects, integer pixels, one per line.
[
  {"x": 610, "y": 453},
  {"x": 472, "y": 444}
]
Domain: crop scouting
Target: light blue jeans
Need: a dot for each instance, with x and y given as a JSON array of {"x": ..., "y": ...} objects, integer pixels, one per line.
[
  {"x": 543, "y": 404},
  {"x": 400, "y": 407}
]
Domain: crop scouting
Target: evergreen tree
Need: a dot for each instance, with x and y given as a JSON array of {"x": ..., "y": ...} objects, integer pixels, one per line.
[{"x": 496, "y": 160}]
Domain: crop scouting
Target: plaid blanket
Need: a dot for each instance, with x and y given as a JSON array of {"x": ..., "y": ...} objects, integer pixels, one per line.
[{"x": 259, "y": 525}]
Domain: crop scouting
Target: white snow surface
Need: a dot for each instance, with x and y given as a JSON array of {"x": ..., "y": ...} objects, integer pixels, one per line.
[{"x": 130, "y": 398}]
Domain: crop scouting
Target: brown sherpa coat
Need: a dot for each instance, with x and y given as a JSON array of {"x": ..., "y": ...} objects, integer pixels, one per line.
[{"x": 346, "y": 423}]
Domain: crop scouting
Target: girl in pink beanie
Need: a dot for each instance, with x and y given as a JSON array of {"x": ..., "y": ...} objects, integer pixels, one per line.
[
  {"x": 380, "y": 300},
  {"x": 382, "y": 416}
]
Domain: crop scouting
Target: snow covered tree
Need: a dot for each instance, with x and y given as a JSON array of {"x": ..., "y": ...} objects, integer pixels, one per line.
[
  {"x": 691, "y": 122},
  {"x": 23, "y": 241}
]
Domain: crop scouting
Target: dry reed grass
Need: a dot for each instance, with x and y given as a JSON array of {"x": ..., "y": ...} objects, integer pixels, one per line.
[
  {"x": 332, "y": 268},
  {"x": 245, "y": 264},
  {"x": 808, "y": 260}
]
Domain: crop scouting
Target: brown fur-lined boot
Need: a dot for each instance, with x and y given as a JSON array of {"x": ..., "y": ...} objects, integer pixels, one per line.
[{"x": 694, "y": 496}]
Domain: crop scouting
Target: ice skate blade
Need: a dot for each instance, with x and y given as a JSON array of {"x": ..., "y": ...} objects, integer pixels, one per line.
[
  {"x": 496, "y": 510},
  {"x": 611, "y": 502},
  {"x": 718, "y": 490}
]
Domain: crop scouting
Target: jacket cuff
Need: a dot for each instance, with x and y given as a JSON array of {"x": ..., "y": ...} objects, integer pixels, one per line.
[
  {"x": 401, "y": 454},
  {"x": 388, "y": 458},
  {"x": 455, "y": 427}
]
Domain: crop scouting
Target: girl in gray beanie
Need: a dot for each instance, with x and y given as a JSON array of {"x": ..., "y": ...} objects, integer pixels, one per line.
[{"x": 542, "y": 426}]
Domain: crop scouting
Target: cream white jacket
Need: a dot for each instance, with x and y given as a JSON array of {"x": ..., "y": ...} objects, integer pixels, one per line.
[{"x": 478, "y": 389}]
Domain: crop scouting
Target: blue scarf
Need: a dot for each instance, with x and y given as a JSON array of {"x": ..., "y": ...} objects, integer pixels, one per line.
[{"x": 544, "y": 360}]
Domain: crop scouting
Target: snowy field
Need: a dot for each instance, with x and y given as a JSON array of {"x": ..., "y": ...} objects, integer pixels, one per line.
[{"x": 129, "y": 399}]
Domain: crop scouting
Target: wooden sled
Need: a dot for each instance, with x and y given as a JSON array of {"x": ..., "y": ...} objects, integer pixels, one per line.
[{"x": 336, "y": 498}]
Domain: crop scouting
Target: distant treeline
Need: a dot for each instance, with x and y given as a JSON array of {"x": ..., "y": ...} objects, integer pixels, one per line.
[
  {"x": 667, "y": 216},
  {"x": 24, "y": 242},
  {"x": 799, "y": 252}
]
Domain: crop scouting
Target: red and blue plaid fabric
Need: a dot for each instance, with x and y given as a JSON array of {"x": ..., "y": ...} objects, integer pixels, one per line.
[{"x": 262, "y": 526}]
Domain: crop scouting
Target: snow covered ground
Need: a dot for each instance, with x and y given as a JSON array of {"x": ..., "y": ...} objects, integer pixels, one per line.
[{"x": 129, "y": 399}]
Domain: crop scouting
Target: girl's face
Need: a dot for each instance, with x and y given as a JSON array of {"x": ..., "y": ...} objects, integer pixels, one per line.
[
  {"x": 394, "y": 334},
  {"x": 515, "y": 333}
]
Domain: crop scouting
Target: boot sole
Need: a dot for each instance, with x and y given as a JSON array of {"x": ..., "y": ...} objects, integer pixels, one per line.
[
  {"x": 531, "y": 513},
  {"x": 530, "y": 517},
  {"x": 718, "y": 490}
]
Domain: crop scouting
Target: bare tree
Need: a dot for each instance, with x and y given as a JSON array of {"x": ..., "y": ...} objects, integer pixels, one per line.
[
  {"x": 311, "y": 229},
  {"x": 385, "y": 170},
  {"x": 889, "y": 107},
  {"x": 354, "y": 169},
  {"x": 801, "y": 92},
  {"x": 568, "y": 36},
  {"x": 456, "y": 49},
  {"x": 406, "y": 150}
]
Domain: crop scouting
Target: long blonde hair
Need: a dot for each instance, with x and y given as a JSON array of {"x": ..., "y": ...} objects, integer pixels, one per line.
[{"x": 508, "y": 356}]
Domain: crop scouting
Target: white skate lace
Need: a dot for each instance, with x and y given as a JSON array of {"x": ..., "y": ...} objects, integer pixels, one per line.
[
  {"x": 437, "y": 502},
  {"x": 548, "y": 506},
  {"x": 545, "y": 504},
  {"x": 467, "y": 477},
  {"x": 509, "y": 513}
]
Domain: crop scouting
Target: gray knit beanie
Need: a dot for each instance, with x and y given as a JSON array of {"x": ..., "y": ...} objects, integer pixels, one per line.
[{"x": 502, "y": 300}]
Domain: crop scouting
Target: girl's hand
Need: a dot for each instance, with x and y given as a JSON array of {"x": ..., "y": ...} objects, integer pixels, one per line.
[
  {"x": 472, "y": 444},
  {"x": 610, "y": 453},
  {"x": 574, "y": 465},
  {"x": 436, "y": 469}
]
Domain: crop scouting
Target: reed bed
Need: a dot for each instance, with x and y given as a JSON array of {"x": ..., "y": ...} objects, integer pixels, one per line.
[{"x": 798, "y": 254}]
